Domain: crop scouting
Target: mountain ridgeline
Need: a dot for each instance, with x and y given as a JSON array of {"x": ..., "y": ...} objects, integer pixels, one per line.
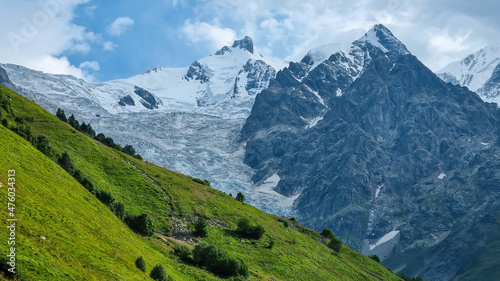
[{"x": 378, "y": 148}]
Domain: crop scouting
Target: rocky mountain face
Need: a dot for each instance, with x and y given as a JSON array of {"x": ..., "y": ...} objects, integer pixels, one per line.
[
  {"x": 480, "y": 72},
  {"x": 374, "y": 145}
]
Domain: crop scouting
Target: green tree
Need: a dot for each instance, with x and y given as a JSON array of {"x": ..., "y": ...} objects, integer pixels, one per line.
[
  {"x": 159, "y": 273},
  {"x": 105, "y": 197},
  {"x": 73, "y": 122},
  {"x": 335, "y": 244},
  {"x": 327, "y": 233},
  {"x": 88, "y": 184},
  {"x": 182, "y": 252},
  {"x": 66, "y": 163},
  {"x": 83, "y": 127},
  {"x": 201, "y": 227},
  {"x": 142, "y": 224},
  {"x": 61, "y": 115},
  {"x": 240, "y": 197},
  {"x": 375, "y": 258},
  {"x": 100, "y": 137},
  {"x": 118, "y": 208},
  {"x": 245, "y": 228},
  {"x": 90, "y": 131},
  {"x": 128, "y": 149},
  {"x": 218, "y": 261},
  {"x": 109, "y": 142},
  {"x": 140, "y": 263},
  {"x": 43, "y": 144}
]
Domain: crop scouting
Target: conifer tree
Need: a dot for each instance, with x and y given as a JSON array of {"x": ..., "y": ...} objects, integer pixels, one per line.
[{"x": 61, "y": 115}]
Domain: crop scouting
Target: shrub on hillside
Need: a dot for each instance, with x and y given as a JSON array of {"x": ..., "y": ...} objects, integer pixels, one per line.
[
  {"x": 24, "y": 132},
  {"x": 5, "y": 103},
  {"x": 218, "y": 261},
  {"x": 160, "y": 274},
  {"x": 43, "y": 144},
  {"x": 128, "y": 149},
  {"x": 335, "y": 244},
  {"x": 240, "y": 197},
  {"x": 375, "y": 258},
  {"x": 105, "y": 197},
  {"x": 140, "y": 263},
  {"x": 183, "y": 252},
  {"x": 200, "y": 181},
  {"x": 327, "y": 233},
  {"x": 61, "y": 115},
  {"x": 88, "y": 185},
  {"x": 142, "y": 224},
  {"x": 247, "y": 229},
  {"x": 118, "y": 208},
  {"x": 163, "y": 226},
  {"x": 66, "y": 163},
  {"x": 100, "y": 137},
  {"x": 201, "y": 227},
  {"x": 73, "y": 122}
]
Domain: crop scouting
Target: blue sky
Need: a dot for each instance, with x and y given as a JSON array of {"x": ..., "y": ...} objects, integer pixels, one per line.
[{"x": 104, "y": 40}]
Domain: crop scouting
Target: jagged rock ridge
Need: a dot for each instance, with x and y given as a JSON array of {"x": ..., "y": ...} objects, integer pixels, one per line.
[{"x": 374, "y": 145}]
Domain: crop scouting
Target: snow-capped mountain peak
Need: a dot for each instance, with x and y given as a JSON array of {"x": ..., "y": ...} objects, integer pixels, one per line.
[
  {"x": 381, "y": 37},
  {"x": 480, "y": 72},
  {"x": 245, "y": 43}
]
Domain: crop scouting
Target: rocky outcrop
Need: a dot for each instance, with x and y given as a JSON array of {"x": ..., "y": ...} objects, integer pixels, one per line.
[
  {"x": 148, "y": 100},
  {"x": 397, "y": 162}
]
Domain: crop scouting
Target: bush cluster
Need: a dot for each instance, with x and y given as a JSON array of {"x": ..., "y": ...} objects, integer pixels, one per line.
[
  {"x": 247, "y": 229},
  {"x": 327, "y": 233},
  {"x": 87, "y": 129},
  {"x": 218, "y": 261},
  {"x": 200, "y": 181},
  {"x": 142, "y": 224},
  {"x": 183, "y": 252},
  {"x": 240, "y": 197},
  {"x": 375, "y": 258},
  {"x": 335, "y": 244}
]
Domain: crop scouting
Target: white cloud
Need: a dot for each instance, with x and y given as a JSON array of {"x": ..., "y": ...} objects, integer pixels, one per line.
[
  {"x": 36, "y": 33},
  {"x": 50, "y": 64},
  {"x": 109, "y": 46},
  {"x": 434, "y": 31},
  {"x": 90, "y": 65},
  {"x": 205, "y": 32},
  {"x": 119, "y": 25}
]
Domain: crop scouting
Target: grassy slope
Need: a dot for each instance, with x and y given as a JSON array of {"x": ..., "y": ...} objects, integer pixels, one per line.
[{"x": 85, "y": 240}]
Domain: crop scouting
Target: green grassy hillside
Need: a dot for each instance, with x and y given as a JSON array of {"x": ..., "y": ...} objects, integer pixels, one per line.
[{"x": 65, "y": 233}]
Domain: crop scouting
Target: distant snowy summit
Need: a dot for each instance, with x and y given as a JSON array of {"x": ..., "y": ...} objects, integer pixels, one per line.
[
  {"x": 480, "y": 72},
  {"x": 229, "y": 78}
]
